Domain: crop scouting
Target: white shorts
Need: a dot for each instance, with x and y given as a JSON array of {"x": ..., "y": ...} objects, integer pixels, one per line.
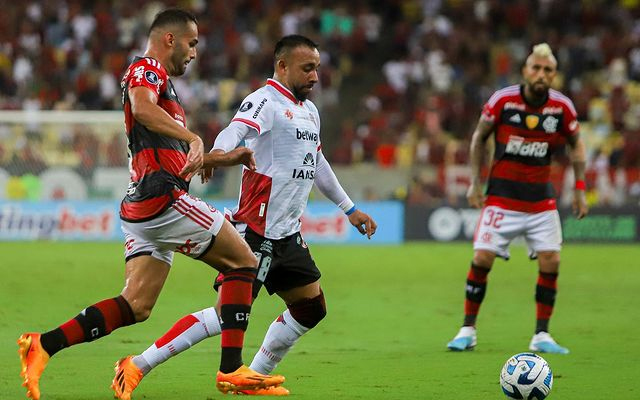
[
  {"x": 189, "y": 227},
  {"x": 497, "y": 227}
]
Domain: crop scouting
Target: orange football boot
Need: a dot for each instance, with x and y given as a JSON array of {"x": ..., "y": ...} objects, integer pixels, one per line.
[
  {"x": 34, "y": 360},
  {"x": 127, "y": 378},
  {"x": 244, "y": 378},
  {"x": 270, "y": 391}
]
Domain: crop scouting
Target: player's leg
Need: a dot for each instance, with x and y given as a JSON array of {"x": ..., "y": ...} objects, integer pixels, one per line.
[
  {"x": 305, "y": 309},
  {"x": 144, "y": 279},
  {"x": 475, "y": 290},
  {"x": 232, "y": 256},
  {"x": 544, "y": 238},
  {"x": 495, "y": 230},
  {"x": 296, "y": 279},
  {"x": 190, "y": 329},
  {"x": 546, "y": 290}
]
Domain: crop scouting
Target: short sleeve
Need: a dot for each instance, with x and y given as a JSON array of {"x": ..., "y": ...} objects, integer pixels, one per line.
[
  {"x": 571, "y": 127},
  {"x": 490, "y": 111},
  {"x": 256, "y": 111},
  {"x": 147, "y": 72}
]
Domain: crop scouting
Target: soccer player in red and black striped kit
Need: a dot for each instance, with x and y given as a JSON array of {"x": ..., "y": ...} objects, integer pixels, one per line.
[
  {"x": 529, "y": 121},
  {"x": 159, "y": 217}
]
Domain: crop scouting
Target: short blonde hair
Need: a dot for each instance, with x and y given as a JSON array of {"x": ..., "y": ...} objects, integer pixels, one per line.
[{"x": 543, "y": 50}]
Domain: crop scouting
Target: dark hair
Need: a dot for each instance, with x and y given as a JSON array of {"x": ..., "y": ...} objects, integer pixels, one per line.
[
  {"x": 172, "y": 16},
  {"x": 291, "y": 42}
]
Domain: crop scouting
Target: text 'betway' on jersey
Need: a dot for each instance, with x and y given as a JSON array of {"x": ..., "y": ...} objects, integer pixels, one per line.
[{"x": 306, "y": 135}]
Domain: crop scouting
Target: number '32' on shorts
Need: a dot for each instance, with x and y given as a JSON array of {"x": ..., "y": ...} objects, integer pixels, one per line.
[{"x": 497, "y": 227}]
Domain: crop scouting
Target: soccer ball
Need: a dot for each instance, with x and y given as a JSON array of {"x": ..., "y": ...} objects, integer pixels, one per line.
[{"x": 526, "y": 376}]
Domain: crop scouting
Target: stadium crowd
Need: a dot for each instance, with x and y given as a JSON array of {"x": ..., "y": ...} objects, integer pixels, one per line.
[{"x": 402, "y": 81}]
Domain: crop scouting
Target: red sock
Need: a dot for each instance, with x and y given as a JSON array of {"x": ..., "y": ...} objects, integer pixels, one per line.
[
  {"x": 546, "y": 289},
  {"x": 474, "y": 293},
  {"x": 235, "y": 309},
  {"x": 92, "y": 323}
]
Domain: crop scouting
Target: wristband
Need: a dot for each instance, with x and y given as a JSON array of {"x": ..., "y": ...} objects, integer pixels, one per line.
[
  {"x": 351, "y": 210},
  {"x": 580, "y": 185}
]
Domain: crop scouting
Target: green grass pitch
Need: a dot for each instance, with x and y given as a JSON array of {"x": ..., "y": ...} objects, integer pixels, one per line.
[{"x": 392, "y": 309}]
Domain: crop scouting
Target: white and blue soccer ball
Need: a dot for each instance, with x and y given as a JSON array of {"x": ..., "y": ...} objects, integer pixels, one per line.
[{"x": 526, "y": 376}]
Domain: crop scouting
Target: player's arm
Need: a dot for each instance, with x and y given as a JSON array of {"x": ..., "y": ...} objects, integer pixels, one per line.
[
  {"x": 328, "y": 184},
  {"x": 145, "y": 110},
  {"x": 578, "y": 155},
  {"x": 477, "y": 149},
  {"x": 225, "y": 151}
]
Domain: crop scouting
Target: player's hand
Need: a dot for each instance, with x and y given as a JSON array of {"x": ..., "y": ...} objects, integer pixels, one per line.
[
  {"x": 244, "y": 156},
  {"x": 205, "y": 174},
  {"x": 579, "y": 204},
  {"x": 475, "y": 196},
  {"x": 364, "y": 223},
  {"x": 195, "y": 158}
]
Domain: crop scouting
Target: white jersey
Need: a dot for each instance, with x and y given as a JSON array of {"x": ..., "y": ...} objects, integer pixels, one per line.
[{"x": 286, "y": 140}]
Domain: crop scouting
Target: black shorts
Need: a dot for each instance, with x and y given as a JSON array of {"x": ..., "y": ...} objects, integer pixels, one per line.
[{"x": 283, "y": 264}]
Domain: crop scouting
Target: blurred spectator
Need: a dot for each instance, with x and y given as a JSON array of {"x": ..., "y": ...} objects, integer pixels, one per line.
[{"x": 401, "y": 83}]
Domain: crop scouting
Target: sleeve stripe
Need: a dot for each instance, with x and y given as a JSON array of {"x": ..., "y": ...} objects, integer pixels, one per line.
[
  {"x": 509, "y": 90},
  {"x": 554, "y": 94},
  {"x": 249, "y": 123}
]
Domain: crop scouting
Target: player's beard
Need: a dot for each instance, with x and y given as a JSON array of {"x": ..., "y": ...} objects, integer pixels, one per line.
[
  {"x": 300, "y": 93},
  {"x": 539, "y": 89},
  {"x": 179, "y": 66}
]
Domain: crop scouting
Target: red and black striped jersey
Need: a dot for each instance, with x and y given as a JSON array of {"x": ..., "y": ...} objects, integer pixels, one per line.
[
  {"x": 155, "y": 160},
  {"x": 526, "y": 136}
]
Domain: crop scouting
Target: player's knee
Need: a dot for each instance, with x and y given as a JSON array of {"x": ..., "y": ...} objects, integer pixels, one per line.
[
  {"x": 309, "y": 312},
  {"x": 549, "y": 261},
  {"x": 246, "y": 259},
  {"x": 483, "y": 259}
]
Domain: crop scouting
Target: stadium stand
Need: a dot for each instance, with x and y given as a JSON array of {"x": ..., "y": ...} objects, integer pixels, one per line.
[{"x": 402, "y": 82}]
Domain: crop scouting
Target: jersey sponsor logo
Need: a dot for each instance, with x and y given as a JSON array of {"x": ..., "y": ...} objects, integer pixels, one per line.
[
  {"x": 151, "y": 77},
  {"x": 308, "y": 160},
  {"x": 306, "y": 135},
  {"x": 532, "y": 121},
  {"x": 307, "y": 170},
  {"x": 515, "y": 118},
  {"x": 552, "y": 110},
  {"x": 510, "y": 105},
  {"x": 518, "y": 146},
  {"x": 550, "y": 124},
  {"x": 257, "y": 111},
  {"x": 246, "y": 106}
]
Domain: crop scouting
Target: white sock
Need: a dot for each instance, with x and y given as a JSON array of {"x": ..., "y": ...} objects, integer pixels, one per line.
[
  {"x": 283, "y": 333},
  {"x": 185, "y": 333}
]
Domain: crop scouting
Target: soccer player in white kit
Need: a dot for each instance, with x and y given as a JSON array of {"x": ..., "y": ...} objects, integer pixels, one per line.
[
  {"x": 282, "y": 160},
  {"x": 529, "y": 121}
]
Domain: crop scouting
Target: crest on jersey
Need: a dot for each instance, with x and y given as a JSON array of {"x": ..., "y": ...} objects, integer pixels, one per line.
[
  {"x": 151, "y": 77},
  {"x": 550, "y": 124},
  {"x": 288, "y": 114},
  {"x": 532, "y": 121},
  {"x": 246, "y": 106}
]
